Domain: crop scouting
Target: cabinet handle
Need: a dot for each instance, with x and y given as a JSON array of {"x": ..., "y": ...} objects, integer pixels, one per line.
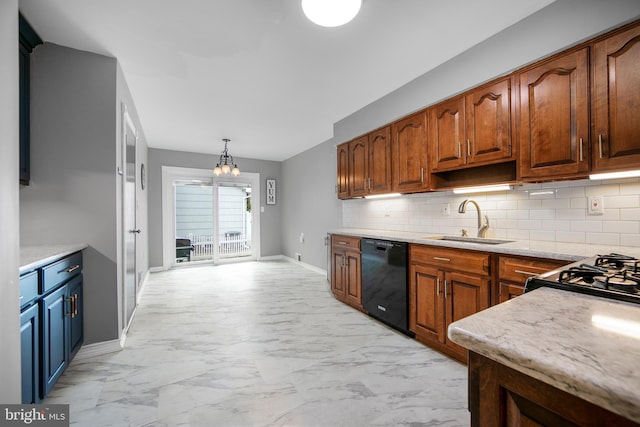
[
  {"x": 581, "y": 154},
  {"x": 342, "y": 243},
  {"x": 459, "y": 149},
  {"x": 445, "y": 288},
  {"x": 437, "y": 258},
  {"x": 468, "y": 148},
  {"x": 600, "y": 145},
  {"x": 73, "y": 268},
  {"x": 421, "y": 175},
  {"x": 438, "y": 287},
  {"x": 70, "y": 300},
  {"x": 75, "y": 305},
  {"x": 528, "y": 273}
]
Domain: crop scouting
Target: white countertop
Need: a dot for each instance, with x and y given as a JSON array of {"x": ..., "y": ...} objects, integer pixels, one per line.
[
  {"x": 554, "y": 336},
  {"x": 551, "y": 250},
  {"x": 35, "y": 256}
]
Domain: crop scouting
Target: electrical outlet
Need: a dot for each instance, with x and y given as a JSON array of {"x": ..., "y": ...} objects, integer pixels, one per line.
[
  {"x": 301, "y": 237},
  {"x": 445, "y": 209},
  {"x": 298, "y": 256},
  {"x": 595, "y": 205}
]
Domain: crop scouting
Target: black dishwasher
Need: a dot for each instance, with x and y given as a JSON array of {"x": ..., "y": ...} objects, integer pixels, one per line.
[{"x": 384, "y": 282}]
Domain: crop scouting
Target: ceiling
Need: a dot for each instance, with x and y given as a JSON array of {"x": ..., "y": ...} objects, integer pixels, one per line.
[{"x": 257, "y": 71}]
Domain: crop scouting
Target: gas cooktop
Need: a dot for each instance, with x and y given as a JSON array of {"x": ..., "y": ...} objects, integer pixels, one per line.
[{"x": 613, "y": 276}]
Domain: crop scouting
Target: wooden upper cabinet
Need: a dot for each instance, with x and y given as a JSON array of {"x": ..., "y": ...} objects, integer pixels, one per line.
[
  {"x": 488, "y": 123},
  {"x": 554, "y": 118},
  {"x": 409, "y": 154},
  {"x": 472, "y": 130},
  {"x": 616, "y": 102},
  {"x": 343, "y": 171},
  {"x": 446, "y": 130},
  {"x": 370, "y": 163},
  {"x": 358, "y": 166},
  {"x": 380, "y": 161}
]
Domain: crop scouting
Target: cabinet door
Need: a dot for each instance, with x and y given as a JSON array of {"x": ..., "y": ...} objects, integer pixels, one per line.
[
  {"x": 338, "y": 277},
  {"x": 554, "y": 118},
  {"x": 446, "y": 130},
  {"x": 380, "y": 161},
  {"x": 358, "y": 166},
  {"x": 617, "y": 102},
  {"x": 353, "y": 275},
  {"x": 76, "y": 331},
  {"x": 343, "y": 171},
  {"x": 465, "y": 294},
  {"x": 409, "y": 154},
  {"x": 426, "y": 317},
  {"x": 55, "y": 337},
  {"x": 488, "y": 123},
  {"x": 29, "y": 354}
]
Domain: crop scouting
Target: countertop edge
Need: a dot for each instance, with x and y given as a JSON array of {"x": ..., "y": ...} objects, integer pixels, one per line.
[
  {"x": 32, "y": 257},
  {"x": 560, "y": 251}
]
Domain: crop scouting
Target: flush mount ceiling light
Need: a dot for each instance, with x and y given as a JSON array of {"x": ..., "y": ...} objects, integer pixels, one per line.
[
  {"x": 331, "y": 13},
  {"x": 225, "y": 168}
]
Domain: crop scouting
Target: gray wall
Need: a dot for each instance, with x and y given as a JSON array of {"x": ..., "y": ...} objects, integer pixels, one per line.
[
  {"x": 270, "y": 219},
  {"x": 9, "y": 243},
  {"x": 75, "y": 150},
  {"x": 559, "y": 25},
  {"x": 311, "y": 205}
]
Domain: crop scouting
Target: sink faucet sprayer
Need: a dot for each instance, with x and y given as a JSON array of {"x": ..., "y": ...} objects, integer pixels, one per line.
[{"x": 482, "y": 229}]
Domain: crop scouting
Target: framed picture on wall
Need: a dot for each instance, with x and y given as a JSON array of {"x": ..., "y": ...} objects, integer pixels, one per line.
[{"x": 271, "y": 191}]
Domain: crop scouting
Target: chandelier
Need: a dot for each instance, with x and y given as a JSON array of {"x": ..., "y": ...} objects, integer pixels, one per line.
[
  {"x": 331, "y": 13},
  {"x": 225, "y": 168}
]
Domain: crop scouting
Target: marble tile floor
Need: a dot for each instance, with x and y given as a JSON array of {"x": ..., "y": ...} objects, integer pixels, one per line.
[{"x": 260, "y": 344}]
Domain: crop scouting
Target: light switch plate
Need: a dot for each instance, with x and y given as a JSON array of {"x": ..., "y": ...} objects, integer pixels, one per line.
[{"x": 595, "y": 205}]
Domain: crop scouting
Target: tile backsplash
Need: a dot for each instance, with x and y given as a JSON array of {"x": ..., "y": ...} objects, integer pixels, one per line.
[{"x": 555, "y": 212}]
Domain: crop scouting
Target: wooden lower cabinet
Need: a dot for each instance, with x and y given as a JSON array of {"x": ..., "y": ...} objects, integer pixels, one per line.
[
  {"x": 445, "y": 285},
  {"x": 514, "y": 271},
  {"x": 501, "y": 396},
  {"x": 346, "y": 270}
]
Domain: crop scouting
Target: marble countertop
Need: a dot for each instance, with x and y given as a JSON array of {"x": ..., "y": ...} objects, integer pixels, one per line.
[
  {"x": 584, "y": 345},
  {"x": 34, "y": 256},
  {"x": 551, "y": 250}
]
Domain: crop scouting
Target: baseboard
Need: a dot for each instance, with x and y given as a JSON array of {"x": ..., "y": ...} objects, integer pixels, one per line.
[
  {"x": 307, "y": 266},
  {"x": 99, "y": 348},
  {"x": 155, "y": 269},
  {"x": 272, "y": 258}
]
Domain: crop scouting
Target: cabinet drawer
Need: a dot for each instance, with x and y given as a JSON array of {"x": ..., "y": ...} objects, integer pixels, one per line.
[
  {"x": 518, "y": 270},
  {"x": 61, "y": 271},
  {"x": 451, "y": 259},
  {"x": 345, "y": 242},
  {"x": 28, "y": 288}
]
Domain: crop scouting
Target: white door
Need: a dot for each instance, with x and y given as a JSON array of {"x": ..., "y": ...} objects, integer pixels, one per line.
[
  {"x": 227, "y": 242},
  {"x": 129, "y": 218}
]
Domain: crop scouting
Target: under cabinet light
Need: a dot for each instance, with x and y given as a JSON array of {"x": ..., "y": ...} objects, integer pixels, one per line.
[
  {"x": 482, "y": 188},
  {"x": 615, "y": 175},
  {"x": 383, "y": 196}
]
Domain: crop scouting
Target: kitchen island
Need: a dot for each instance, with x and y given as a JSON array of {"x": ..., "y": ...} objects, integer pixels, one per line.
[{"x": 552, "y": 357}]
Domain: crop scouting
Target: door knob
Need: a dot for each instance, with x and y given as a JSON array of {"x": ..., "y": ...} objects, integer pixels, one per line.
[{"x": 137, "y": 231}]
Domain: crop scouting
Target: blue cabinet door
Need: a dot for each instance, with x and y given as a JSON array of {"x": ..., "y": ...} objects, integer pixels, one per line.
[
  {"x": 29, "y": 339},
  {"x": 76, "y": 332},
  {"x": 55, "y": 337}
]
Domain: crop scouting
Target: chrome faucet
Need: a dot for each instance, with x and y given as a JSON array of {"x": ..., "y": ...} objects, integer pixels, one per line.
[{"x": 482, "y": 228}]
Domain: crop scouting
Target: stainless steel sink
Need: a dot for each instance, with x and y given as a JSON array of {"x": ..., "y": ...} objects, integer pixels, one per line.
[{"x": 466, "y": 239}]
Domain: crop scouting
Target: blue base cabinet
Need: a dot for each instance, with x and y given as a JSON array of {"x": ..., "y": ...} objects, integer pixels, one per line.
[
  {"x": 52, "y": 324},
  {"x": 30, "y": 348}
]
